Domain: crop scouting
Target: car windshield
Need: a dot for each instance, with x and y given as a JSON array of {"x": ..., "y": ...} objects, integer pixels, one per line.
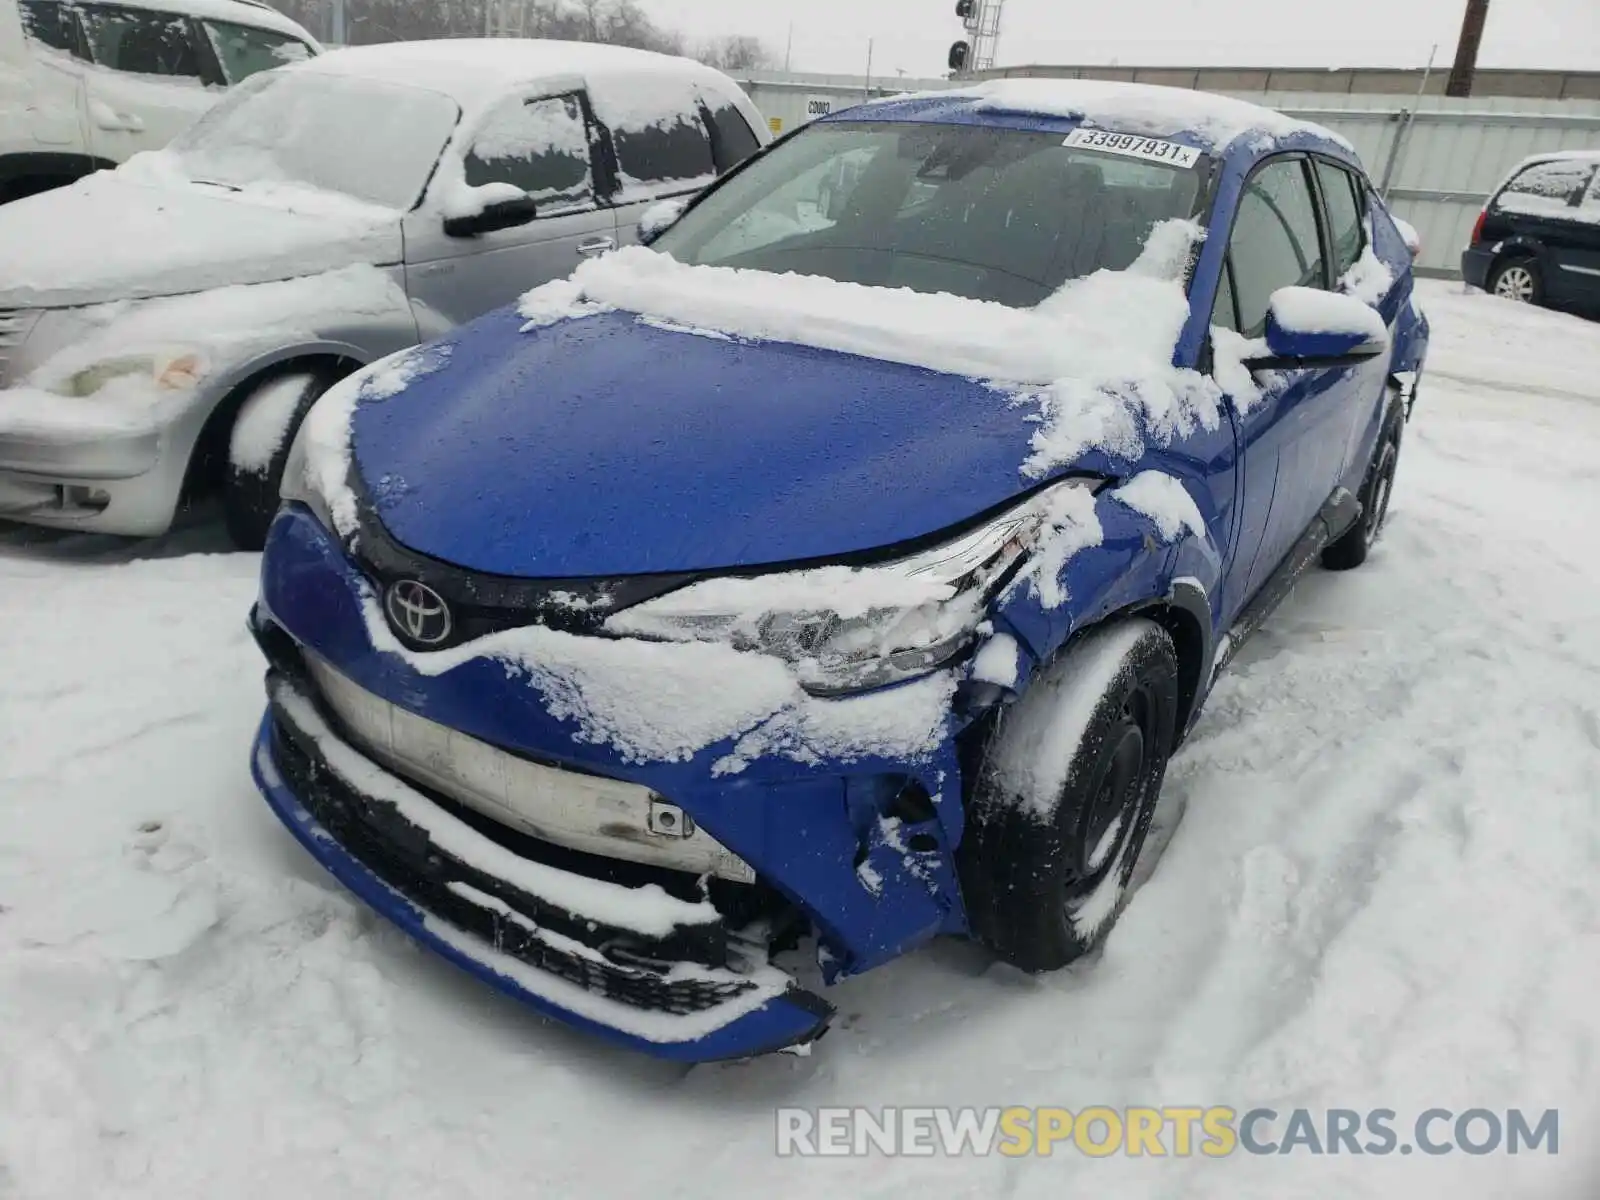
[
  {"x": 991, "y": 214},
  {"x": 376, "y": 142}
]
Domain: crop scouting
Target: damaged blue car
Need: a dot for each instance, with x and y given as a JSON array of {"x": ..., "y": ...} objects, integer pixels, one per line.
[{"x": 839, "y": 568}]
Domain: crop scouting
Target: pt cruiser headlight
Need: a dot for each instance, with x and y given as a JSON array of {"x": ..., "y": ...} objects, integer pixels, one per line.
[
  {"x": 174, "y": 370},
  {"x": 851, "y": 629}
]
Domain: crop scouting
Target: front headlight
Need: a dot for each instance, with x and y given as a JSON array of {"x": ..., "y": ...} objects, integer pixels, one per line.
[
  {"x": 851, "y": 629},
  {"x": 166, "y": 370}
]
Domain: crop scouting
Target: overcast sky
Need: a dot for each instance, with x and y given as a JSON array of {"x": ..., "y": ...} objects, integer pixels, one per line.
[{"x": 914, "y": 35}]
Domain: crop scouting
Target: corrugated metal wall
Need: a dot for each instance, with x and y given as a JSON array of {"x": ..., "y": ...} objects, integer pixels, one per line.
[{"x": 1451, "y": 152}]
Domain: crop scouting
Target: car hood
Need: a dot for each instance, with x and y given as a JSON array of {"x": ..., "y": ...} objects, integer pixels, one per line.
[
  {"x": 115, "y": 236},
  {"x": 607, "y": 446}
]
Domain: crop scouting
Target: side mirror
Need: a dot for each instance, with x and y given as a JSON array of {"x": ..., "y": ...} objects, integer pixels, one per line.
[
  {"x": 1307, "y": 327},
  {"x": 499, "y": 214},
  {"x": 659, "y": 218}
]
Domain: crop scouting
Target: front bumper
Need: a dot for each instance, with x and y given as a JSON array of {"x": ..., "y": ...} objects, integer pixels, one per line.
[
  {"x": 80, "y": 464},
  {"x": 560, "y": 960},
  {"x": 833, "y": 843}
]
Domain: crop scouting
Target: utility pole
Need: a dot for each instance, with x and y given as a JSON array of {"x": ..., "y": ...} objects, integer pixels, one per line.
[{"x": 1462, "y": 73}]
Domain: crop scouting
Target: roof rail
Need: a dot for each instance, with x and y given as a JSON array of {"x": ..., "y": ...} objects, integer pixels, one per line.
[{"x": 258, "y": 4}]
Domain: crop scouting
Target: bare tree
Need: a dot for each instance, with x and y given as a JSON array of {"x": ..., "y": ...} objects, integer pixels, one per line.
[
  {"x": 619, "y": 22},
  {"x": 737, "y": 52}
]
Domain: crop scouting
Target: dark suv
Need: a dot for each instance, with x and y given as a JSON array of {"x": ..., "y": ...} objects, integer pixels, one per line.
[{"x": 1538, "y": 239}]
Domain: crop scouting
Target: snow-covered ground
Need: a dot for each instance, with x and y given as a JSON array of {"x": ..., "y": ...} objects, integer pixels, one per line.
[{"x": 1385, "y": 892}]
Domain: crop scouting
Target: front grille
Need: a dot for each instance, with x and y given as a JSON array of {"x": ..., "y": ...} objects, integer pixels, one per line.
[
  {"x": 14, "y": 326},
  {"x": 405, "y": 858}
]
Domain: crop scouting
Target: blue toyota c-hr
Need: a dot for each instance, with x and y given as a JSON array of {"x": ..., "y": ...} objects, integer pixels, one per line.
[{"x": 840, "y": 570}]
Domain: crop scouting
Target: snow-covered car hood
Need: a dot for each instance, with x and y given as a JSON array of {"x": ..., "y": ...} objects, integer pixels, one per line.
[
  {"x": 116, "y": 236},
  {"x": 613, "y": 446}
]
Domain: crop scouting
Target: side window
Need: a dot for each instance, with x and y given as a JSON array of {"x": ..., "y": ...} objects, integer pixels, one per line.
[
  {"x": 540, "y": 146},
  {"x": 1345, "y": 229},
  {"x": 47, "y": 23},
  {"x": 141, "y": 41},
  {"x": 1547, "y": 186},
  {"x": 734, "y": 140},
  {"x": 1275, "y": 243},
  {"x": 244, "y": 50},
  {"x": 665, "y": 156}
]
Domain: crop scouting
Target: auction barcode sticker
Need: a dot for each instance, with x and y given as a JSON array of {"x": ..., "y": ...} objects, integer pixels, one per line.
[{"x": 1131, "y": 145}]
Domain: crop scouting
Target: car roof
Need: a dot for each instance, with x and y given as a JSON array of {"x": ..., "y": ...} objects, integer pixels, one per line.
[
  {"x": 240, "y": 12},
  {"x": 1549, "y": 156},
  {"x": 479, "y": 71},
  {"x": 1204, "y": 120}
]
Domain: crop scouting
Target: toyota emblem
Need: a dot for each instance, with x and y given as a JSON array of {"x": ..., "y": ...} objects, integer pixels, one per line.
[{"x": 418, "y": 613}]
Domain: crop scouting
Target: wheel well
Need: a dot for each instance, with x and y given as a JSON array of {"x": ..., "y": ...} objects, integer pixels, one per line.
[
  {"x": 208, "y": 464},
  {"x": 1510, "y": 255},
  {"x": 1189, "y": 644}
]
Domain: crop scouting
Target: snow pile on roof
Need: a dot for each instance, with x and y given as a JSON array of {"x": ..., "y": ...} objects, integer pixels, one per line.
[
  {"x": 1141, "y": 108},
  {"x": 629, "y": 89},
  {"x": 1096, "y": 357}
]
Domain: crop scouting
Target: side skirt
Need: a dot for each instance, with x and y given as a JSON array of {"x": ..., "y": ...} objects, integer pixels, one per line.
[{"x": 1336, "y": 517}]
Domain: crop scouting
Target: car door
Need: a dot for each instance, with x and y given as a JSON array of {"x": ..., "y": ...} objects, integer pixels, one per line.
[
  {"x": 152, "y": 78},
  {"x": 1293, "y": 437},
  {"x": 46, "y": 110},
  {"x": 544, "y": 145}
]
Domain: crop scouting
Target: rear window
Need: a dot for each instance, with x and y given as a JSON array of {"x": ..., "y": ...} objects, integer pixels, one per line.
[
  {"x": 1547, "y": 187},
  {"x": 670, "y": 155},
  {"x": 991, "y": 214},
  {"x": 735, "y": 141}
]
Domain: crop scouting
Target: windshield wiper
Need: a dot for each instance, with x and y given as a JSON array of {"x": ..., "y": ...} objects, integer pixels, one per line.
[{"x": 232, "y": 187}]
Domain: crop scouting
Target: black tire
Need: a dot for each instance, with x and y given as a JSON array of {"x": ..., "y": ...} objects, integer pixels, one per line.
[
  {"x": 1353, "y": 548},
  {"x": 1517, "y": 278},
  {"x": 250, "y": 495},
  {"x": 1062, "y": 806}
]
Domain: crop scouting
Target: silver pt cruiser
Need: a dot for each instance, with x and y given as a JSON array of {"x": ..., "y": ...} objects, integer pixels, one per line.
[{"x": 164, "y": 326}]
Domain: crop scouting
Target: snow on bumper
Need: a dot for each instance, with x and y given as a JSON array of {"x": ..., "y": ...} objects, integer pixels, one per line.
[
  {"x": 856, "y": 845},
  {"x": 582, "y": 950}
]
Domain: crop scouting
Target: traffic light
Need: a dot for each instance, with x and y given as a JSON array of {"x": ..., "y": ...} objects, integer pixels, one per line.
[{"x": 959, "y": 53}]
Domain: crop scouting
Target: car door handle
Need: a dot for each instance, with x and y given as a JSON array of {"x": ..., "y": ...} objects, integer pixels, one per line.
[{"x": 596, "y": 245}]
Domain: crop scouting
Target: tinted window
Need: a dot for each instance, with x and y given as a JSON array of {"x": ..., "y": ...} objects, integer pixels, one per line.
[
  {"x": 674, "y": 151},
  {"x": 45, "y": 22},
  {"x": 243, "y": 50},
  {"x": 735, "y": 141},
  {"x": 540, "y": 146},
  {"x": 1275, "y": 242},
  {"x": 141, "y": 41},
  {"x": 1345, "y": 229},
  {"x": 993, "y": 214},
  {"x": 1548, "y": 187}
]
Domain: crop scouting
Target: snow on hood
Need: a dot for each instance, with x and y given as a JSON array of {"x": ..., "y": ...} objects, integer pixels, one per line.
[
  {"x": 1095, "y": 357},
  {"x": 143, "y": 231}
]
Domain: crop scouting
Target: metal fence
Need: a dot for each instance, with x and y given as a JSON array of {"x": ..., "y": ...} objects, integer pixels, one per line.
[{"x": 1438, "y": 158}]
